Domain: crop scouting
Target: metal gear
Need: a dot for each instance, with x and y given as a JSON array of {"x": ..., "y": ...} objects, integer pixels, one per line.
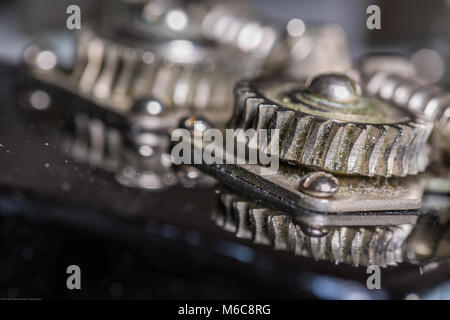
[
  {"x": 296, "y": 49},
  {"x": 117, "y": 76},
  {"x": 358, "y": 246},
  {"x": 328, "y": 124},
  {"x": 427, "y": 100}
]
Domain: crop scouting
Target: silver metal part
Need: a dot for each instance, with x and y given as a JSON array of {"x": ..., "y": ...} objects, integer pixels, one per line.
[
  {"x": 359, "y": 200},
  {"x": 430, "y": 101},
  {"x": 358, "y": 246},
  {"x": 297, "y": 49},
  {"x": 363, "y": 137},
  {"x": 319, "y": 184}
]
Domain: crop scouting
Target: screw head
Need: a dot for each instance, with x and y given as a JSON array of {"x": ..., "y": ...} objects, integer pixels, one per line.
[
  {"x": 319, "y": 184},
  {"x": 315, "y": 232},
  {"x": 195, "y": 123},
  {"x": 40, "y": 57},
  {"x": 335, "y": 88},
  {"x": 148, "y": 106}
]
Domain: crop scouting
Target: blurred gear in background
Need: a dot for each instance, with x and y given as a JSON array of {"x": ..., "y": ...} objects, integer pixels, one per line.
[{"x": 161, "y": 61}]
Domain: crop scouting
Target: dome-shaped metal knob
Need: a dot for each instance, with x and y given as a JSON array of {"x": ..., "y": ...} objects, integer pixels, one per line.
[{"x": 335, "y": 87}]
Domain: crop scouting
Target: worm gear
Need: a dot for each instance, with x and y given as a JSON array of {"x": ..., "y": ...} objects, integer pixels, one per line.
[
  {"x": 328, "y": 124},
  {"x": 382, "y": 246}
]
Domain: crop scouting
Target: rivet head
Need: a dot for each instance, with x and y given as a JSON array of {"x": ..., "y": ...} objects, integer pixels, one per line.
[
  {"x": 195, "y": 123},
  {"x": 319, "y": 184},
  {"x": 39, "y": 57},
  {"x": 335, "y": 88},
  {"x": 148, "y": 106},
  {"x": 315, "y": 232}
]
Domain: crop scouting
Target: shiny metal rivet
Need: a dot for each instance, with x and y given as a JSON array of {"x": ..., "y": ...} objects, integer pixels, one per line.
[
  {"x": 39, "y": 100},
  {"x": 41, "y": 58},
  {"x": 319, "y": 184},
  {"x": 335, "y": 87},
  {"x": 148, "y": 106},
  {"x": 315, "y": 232},
  {"x": 195, "y": 123},
  {"x": 146, "y": 151}
]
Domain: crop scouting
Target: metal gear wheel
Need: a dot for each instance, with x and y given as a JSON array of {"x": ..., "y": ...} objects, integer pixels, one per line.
[
  {"x": 427, "y": 100},
  {"x": 327, "y": 123},
  {"x": 118, "y": 76},
  {"x": 297, "y": 48},
  {"x": 358, "y": 246}
]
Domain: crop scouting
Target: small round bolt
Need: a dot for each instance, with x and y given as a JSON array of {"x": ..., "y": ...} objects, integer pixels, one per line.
[
  {"x": 148, "y": 106},
  {"x": 315, "y": 232},
  {"x": 335, "y": 87},
  {"x": 195, "y": 123},
  {"x": 39, "y": 100},
  {"x": 319, "y": 184},
  {"x": 41, "y": 58}
]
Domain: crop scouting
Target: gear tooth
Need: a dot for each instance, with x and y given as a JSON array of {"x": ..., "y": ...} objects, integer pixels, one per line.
[
  {"x": 420, "y": 98},
  {"x": 344, "y": 234},
  {"x": 390, "y": 249},
  {"x": 284, "y": 121},
  {"x": 387, "y": 91},
  {"x": 243, "y": 220},
  {"x": 377, "y": 155},
  {"x": 94, "y": 56},
  {"x": 400, "y": 166},
  {"x": 266, "y": 121},
  {"x": 347, "y": 140},
  {"x": 380, "y": 251},
  {"x": 333, "y": 150},
  {"x": 218, "y": 217},
  {"x": 335, "y": 247},
  {"x": 242, "y": 93},
  {"x": 230, "y": 223},
  {"x": 417, "y": 155},
  {"x": 372, "y": 248},
  {"x": 318, "y": 247},
  {"x": 328, "y": 252},
  {"x": 103, "y": 86},
  {"x": 422, "y": 152},
  {"x": 357, "y": 155},
  {"x": 320, "y": 144},
  {"x": 295, "y": 238},
  {"x": 375, "y": 83},
  {"x": 366, "y": 239},
  {"x": 266, "y": 116},
  {"x": 279, "y": 225},
  {"x": 347, "y": 241},
  {"x": 412, "y": 155},
  {"x": 364, "y": 150},
  {"x": 392, "y": 150},
  {"x": 356, "y": 248},
  {"x": 260, "y": 219},
  {"x": 436, "y": 106},
  {"x": 401, "y": 236},
  {"x": 302, "y": 132},
  {"x": 122, "y": 85},
  {"x": 251, "y": 112},
  {"x": 403, "y": 93},
  {"x": 385, "y": 161}
]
